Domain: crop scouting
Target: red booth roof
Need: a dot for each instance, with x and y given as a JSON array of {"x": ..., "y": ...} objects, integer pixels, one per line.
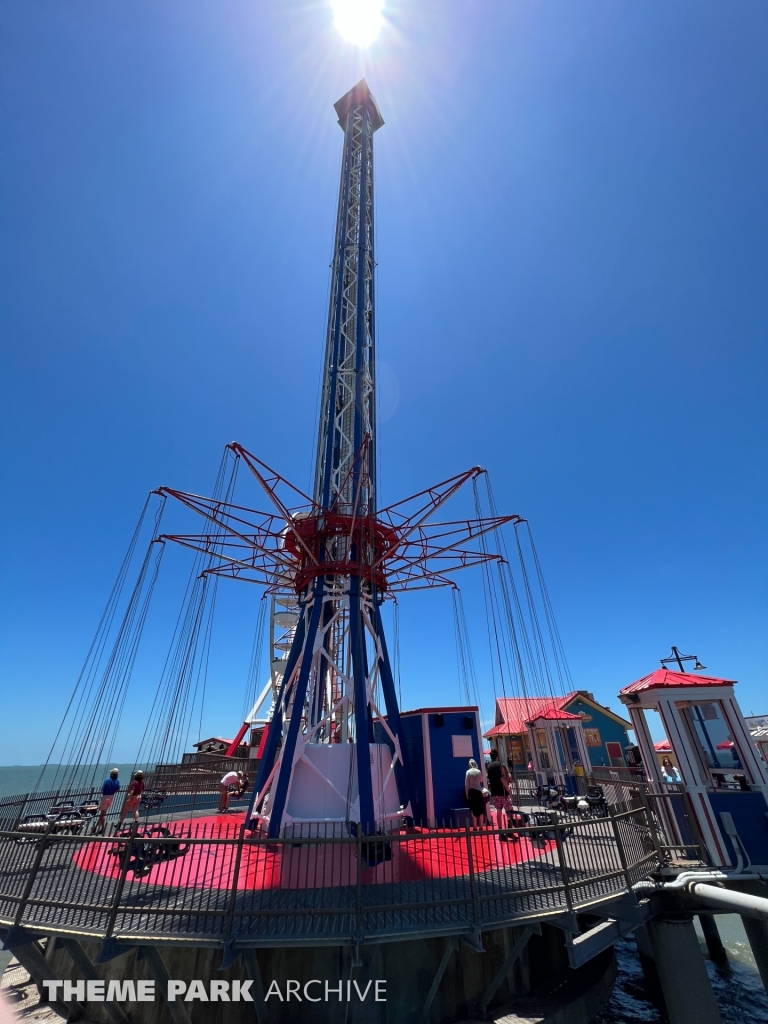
[{"x": 663, "y": 677}]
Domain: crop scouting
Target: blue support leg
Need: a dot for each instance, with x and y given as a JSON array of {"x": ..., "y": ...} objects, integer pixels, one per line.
[
  {"x": 402, "y": 774},
  {"x": 277, "y": 805},
  {"x": 362, "y": 716},
  {"x": 276, "y": 725}
]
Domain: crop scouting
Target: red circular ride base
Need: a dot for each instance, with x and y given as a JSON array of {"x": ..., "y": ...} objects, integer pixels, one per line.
[{"x": 210, "y": 854}]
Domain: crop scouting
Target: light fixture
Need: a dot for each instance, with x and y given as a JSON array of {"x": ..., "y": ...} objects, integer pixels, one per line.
[{"x": 698, "y": 667}]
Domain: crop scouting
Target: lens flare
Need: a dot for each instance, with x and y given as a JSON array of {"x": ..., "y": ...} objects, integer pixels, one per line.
[{"x": 358, "y": 21}]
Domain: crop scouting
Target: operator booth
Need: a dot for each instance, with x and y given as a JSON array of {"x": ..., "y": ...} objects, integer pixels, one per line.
[
  {"x": 438, "y": 745},
  {"x": 723, "y": 780},
  {"x": 558, "y": 748}
]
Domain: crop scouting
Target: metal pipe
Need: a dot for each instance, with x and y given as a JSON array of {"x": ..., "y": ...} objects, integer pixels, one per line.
[
  {"x": 730, "y": 901},
  {"x": 687, "y": 878}
]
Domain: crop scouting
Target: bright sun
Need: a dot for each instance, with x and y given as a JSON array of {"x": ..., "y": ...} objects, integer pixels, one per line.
[{"x": 358, "y": 21}]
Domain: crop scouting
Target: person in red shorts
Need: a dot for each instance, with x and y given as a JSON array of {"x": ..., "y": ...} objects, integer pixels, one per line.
[
  {"x": 108, "y": 790},
  {"x": 133, "y": 797},
  {"x": 498, "y": 783}
]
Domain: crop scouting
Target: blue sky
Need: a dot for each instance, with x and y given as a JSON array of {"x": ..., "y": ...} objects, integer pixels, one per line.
[{"x": 571, "y": 240}]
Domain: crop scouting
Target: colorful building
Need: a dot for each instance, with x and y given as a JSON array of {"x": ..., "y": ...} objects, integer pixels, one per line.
[{"x": 604, "y": 731}]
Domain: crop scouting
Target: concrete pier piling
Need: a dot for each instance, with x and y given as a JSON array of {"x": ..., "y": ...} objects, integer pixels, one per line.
[
  {"x": 715, "y": 947},
  {"x": 757, "y": 933},
  {"x": 648, "y": 964},
  {"x": 682, "y": 971}
]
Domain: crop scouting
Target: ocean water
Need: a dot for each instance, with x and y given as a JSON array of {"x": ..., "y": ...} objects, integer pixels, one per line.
[
  {"x": 18, "y": 778},
  {"x": 739, "y": 990}
]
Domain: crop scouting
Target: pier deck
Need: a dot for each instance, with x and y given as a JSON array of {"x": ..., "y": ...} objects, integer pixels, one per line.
[{"x": 211, "y": 883}]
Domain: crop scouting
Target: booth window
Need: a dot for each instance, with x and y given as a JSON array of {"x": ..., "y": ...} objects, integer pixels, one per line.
[
  {"x": 717, "y": 752},
  {"x": 559, "y": 749},
  {"x": 516, "y": 748},
  {"x": 573, "y": 746},
  {"x": 541, "y": 743}
]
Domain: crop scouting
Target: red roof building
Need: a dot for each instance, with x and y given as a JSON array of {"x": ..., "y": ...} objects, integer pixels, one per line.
[{"x": 605, "y": 732}]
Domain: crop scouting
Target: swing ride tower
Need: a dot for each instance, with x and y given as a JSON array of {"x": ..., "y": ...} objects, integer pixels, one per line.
[
  {"x": 334, "y": 751},
  {"x": 326, "y": 699}
]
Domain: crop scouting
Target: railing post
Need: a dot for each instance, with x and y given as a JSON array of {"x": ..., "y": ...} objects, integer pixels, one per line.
[
  {"x": 561, "y": 859},
  {"x": 620, "y": 848},
  {"x": 235, "y": 876},
  {"x": 471, "y": 862},
  {"x": 125, "y": 860},
  {"x": 22, "y": 808},
  {"x": 693, "y": 825},
  {"x": 32, "y": 875},
  {"x": 650, "y": 822},
  {"x": 358, "y": 892}
]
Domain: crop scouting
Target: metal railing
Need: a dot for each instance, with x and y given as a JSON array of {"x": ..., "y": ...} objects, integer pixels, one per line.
[
  {"x": 217, "y": 883},
  {"x": 15, "y": 808},
  {"x": 178, "y": 793},
  {"x": 523, "y": 787},
  {"x": 668, "y": 811}
]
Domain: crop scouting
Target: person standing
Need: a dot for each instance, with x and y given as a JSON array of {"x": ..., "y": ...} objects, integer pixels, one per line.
[
  {"x": 133, "y": 797},
  {"x": 475, "y": 792},
  {"x": 498, "y": 784},
  {"x": 109, "y": 788},
  {"x": 230, "y": 781}
]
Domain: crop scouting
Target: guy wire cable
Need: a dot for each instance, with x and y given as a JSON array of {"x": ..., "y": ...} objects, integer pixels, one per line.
[
  {"x": 541, "y": 654},
  {"x": 254, "y": 663},
  {"x": 536, "y": 654},
  {"x": 490, "y": 617},
  {"x": 86, "y": 726},
  {"x": 93, "y": 656},
  {"x": 109, "y": 741},
  {"x": 173, "y": 691},
  {"x": 549, "y": 611}
]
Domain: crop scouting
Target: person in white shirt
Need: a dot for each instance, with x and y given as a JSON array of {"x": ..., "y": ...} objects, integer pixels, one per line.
[
  {"x": 475, "y": 792},
  {"x": 230, "y": 781}
]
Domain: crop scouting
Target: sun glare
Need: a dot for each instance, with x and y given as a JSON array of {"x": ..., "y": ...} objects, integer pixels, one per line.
[{"x": 358, "y": 21}]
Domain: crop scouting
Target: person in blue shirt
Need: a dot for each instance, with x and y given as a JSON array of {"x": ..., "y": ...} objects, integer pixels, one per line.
[
  {"x": 109, "y": 787},
  {"x": 669, "y": 771}
]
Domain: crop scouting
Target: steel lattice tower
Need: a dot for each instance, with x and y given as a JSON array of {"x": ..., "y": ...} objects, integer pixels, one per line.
[
  {"x": 339, "y": 647},
  {"x": 334, "y": 749},
  {"x": 347, "y": 413}
]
